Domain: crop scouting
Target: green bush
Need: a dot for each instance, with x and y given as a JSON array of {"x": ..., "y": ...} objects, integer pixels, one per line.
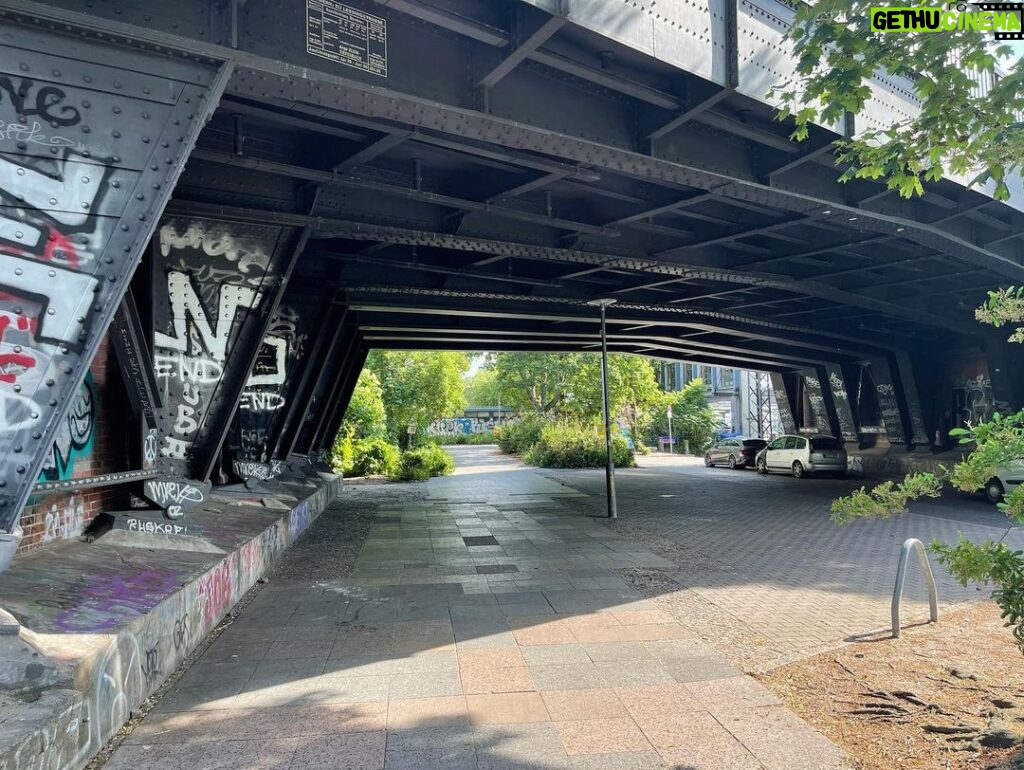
[
  {"x": 420, "y": 464},
  {"x": 374, "y": 457},
  {"x": 517, "y": 437},
  {"x": 473, "y": 439},
  {"x": 572, "y": 445}
]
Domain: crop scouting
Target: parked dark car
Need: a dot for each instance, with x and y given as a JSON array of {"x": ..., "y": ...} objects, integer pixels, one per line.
[{"x": 736, "y": 452}]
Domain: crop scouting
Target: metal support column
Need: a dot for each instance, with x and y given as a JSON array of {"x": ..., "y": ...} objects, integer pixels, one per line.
[
  {"x": 784, "y": 401},
  {"x": 94, "y": 203}
]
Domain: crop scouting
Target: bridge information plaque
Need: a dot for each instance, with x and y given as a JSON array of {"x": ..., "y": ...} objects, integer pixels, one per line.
[{"x": 347, "y": 36}]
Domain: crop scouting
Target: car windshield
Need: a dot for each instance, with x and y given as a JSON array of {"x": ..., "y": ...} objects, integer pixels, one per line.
[
  {"x": 826, "y": 444},
  {"x": 754, "y": 443}
]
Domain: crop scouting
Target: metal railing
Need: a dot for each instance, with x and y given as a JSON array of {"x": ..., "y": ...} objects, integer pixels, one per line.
[{"x": 901, "y": 575}]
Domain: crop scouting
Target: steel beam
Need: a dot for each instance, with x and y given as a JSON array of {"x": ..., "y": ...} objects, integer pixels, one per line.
[
  {"x": 326, "y": 367},
  {"x": 522, "y": 51},
  {"x": 128, "y": 338},
  {"x": 341, "y": 401},
  {"x": 371, "y": 151},
  {"x": 335, "y": 228},
  {"x": 331, "y": 179},
  {"x": 299, "y": 394},
  {"x": 784, "y": 402},
  {"x": 834, "y": 389},
  {"x": 206, "y": 449},
  {"x": 689, "y": 114}
]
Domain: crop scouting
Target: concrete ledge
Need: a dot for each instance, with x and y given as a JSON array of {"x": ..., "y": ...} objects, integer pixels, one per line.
[
  {"x": 897, "y": 463},
  {"x": 104, "y": 624}
]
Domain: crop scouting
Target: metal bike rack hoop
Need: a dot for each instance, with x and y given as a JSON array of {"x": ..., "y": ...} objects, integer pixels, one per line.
[{"x": 901, "y": 575}]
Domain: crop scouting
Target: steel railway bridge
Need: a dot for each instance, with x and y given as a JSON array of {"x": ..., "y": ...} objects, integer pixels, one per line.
[{"x": 212, "y": 210}]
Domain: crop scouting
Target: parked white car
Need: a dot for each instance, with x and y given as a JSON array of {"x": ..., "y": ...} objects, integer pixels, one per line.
[
  {"x": 802, "y": 455},
  {"x": 1006, "y": 479}
]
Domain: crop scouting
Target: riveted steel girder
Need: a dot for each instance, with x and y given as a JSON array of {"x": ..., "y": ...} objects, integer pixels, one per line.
[{"x": 77, "y": 207}]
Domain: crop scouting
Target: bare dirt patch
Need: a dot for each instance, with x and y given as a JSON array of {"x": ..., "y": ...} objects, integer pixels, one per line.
[{"x": 949, "y": 695}]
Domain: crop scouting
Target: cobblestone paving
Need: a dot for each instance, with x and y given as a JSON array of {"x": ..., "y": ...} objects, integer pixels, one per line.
[
  {"x": 759, "y": 568},
  {"x": 485, "y": 625}
]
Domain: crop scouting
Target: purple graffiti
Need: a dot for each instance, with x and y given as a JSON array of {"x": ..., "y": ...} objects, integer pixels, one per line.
[{"x": 107, "y": 600}]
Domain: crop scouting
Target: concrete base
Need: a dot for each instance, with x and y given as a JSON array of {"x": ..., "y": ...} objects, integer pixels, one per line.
[
  {"x": 897, "y": 462},
  {"x": 104, "y": 624}
]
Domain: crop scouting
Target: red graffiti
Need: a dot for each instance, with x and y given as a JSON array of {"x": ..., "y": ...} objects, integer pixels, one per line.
[
  {"x": 14, "y": 364},
  {"x": 57, "y": 247},
  {"x": 216, "y": 592}
]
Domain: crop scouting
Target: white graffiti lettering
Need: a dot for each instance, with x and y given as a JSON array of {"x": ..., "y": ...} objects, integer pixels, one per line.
[
  {"x": 216, "y": 241},
  {"x": 185, "y": 305},
  {"x": 66, "y": 522}
]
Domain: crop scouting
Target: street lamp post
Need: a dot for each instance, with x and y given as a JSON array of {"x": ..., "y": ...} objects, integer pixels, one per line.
[
  {"x": 670, "y": 429},
  {"x": 609, "y": 473}
]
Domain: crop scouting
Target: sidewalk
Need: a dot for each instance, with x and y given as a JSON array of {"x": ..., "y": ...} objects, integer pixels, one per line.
[{"x": 484, "y": 625}]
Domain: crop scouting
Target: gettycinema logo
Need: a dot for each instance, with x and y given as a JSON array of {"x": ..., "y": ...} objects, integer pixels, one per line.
[{"x": 1004, "y": 19}]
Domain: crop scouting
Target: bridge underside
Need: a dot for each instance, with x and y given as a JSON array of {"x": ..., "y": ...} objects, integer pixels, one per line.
[{"x": 512, "y": 165}]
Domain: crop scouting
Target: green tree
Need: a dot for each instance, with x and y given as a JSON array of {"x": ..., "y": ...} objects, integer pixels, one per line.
[
  {"x": 570, "y": 384},
  {"x": 538, "y": 382},
  {"x": 692, "y": 416},
  {"x": 957, "y": 131},
  {"x": 418, "y": 387},
  {"x": 483, "y": 388},
  {"x": 365, "y": 416}
]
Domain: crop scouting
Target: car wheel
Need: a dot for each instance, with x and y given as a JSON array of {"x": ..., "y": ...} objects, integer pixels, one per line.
[
  {"x": 732, "y": 462},
  {"x": 798, "y": 470},
  {"x": 994, "y": 491},
  {"x": 707, "y": 460},
  {"x": 762, "y": 467}
]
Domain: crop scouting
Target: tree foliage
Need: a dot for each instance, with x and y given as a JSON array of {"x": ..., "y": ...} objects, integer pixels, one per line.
[
  {"x": 693, "y": 418},
  {"x": 483, "y": 388},
  {"x": 957, "y": 131},
  {"x": 418, "y": 387},
  {"x": 570, "y": 384},
  {"x": 365, "y": 416}
]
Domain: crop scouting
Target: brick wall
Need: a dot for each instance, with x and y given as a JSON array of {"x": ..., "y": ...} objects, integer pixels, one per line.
[{"x": 92, "y": 442}]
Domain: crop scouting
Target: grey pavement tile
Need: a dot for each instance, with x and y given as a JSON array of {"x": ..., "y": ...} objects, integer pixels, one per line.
[
  {"x": 355, "y": 751},
  {"x": 603, "y": 652},
  {"x": 230, "y": 755},
  {"x": 180, "y": 727},
  {"x": 448, "y": 758},
  {"x": 379, "y": 664},
  {"x": 555, "y": 654},
  {"x": 411, "y": 739},
  {"x": 313, "y": 648},
  {"x": 209, "y": 695},
  {"x": 573, "y": 676},
  {"x": 698, "y": 669},
  {"x": 528, "y": 745},
  {"x": 628, "y": 673},
  {"x": 421, "y": 662},
  {"x": 481, "y": 640},
  {"x": 214, "y": 670},
  {"x": 782, "y": 741},
  {"x": 270, "y": 673},
  {"x": 335, "y": 688},
  {"x": 428, "y": 684}
]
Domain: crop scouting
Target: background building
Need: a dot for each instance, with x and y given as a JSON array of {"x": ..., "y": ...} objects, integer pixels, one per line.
[{"x": 743, "y": 399}]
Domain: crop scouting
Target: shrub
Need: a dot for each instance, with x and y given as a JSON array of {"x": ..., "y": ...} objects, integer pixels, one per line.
[
  {"x": 420, "y": 464},
  {"x": 473, "y": 439},
  {"x": 572, "y": 445},
  {"x": 517, "y": 437},
  {"x": 374, "y": 457}
]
